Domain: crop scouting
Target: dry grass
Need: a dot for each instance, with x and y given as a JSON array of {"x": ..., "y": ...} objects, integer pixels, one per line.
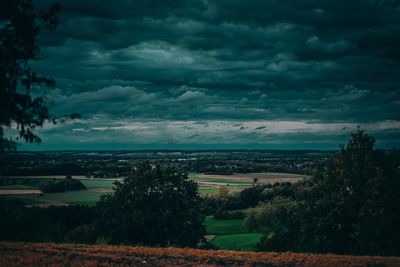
[{"x": 42, "y": 254}]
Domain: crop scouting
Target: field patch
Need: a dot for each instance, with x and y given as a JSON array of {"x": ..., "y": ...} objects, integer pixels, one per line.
[
  {"x": 83, "y": 197},
  {"x": 221, "y": 227},
  {"x": 239, "y": 181},
  {"x": 241, "y": 242},
  {"x": 98, "y": 183},
  {"x": 231, "y": 234}
]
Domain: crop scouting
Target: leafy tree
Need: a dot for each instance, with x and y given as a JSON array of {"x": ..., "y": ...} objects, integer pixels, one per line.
[
  {"x": 277, "y": 219},
  {"x": 251, "y": 196},
  {"x": 20, "y": 24},
  {"x": 350, "y": 206},
  {"x": 155, "y": 206}
]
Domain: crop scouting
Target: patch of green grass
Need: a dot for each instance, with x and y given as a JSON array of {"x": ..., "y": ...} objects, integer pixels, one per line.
[
  {"x": 208, "y": 191},
  {"x": 223, "y": 181},
  {"x": 241, "y": 242},
  {"x": 17, "y": 187},
  {"x": 223, "y": 227},
  {"x": 83, "y": 197},
  {"x": 97, "y": 183},
  {"x": 75, "y": 197}
]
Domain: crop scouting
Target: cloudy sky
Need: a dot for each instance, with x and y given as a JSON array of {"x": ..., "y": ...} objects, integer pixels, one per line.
[{"x": 275, "y": 74}]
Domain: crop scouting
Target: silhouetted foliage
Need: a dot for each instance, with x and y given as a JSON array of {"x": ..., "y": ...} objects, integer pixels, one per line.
[
  {"x": 229, "y": 214},
  {"x": 67, "y": 184},
  {"x": 221, "y": 204},
  {"x": 52, "y": 224},
  {"x": 20, "y": 24},
  {"x": 155, "y": 206},
  {"x": 350, "y": 206}
]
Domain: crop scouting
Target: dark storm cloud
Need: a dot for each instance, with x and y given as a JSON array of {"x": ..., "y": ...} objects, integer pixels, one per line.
[{"x": 279, "y": 60}]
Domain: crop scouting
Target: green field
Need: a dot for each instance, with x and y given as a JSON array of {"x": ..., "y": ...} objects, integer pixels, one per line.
[
  {"x": 242, "y": 242},
  {"x": 33, "y": 183},
  {"x": 231, "y": 234},
  {"x": 230, "y": 184},
  {"x": 223, "y": 227},
  {"x": 73, "y": 197},
  {"x": 98, "y": 183},
  {"x": 194, "y": 176},
  {"x": 222, "y": 181},
  {"x": 208, "y": 190}
]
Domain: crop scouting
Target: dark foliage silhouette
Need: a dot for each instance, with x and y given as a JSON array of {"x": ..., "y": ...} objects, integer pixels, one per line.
[
  {"x": 155, "y": 206},
  {"x": 20, "y": 25},
  {"x": 349, "y": 207}
]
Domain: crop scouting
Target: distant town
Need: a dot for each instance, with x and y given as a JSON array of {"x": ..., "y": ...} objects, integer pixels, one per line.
[{"x": 112, "y": 164}]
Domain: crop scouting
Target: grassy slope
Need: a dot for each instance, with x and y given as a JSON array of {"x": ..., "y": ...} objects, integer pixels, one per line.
[
  {"x": 41, "y": 254},
  {"x": 223, "y": 227},
  {"x": 231, "y": 234},
  {"x": 240, "y": 242}
]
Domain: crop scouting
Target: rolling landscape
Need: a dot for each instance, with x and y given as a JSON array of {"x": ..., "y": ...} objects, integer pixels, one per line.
[
  {"x": 223, "y": 234},
  {"x": 200, "y": 133}
]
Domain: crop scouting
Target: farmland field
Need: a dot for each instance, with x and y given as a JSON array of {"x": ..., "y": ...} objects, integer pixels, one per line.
[
  {"x": 83, "y": 197},
  {"x": 209, "y": 183},
  {"x": 98, "y": 183},
  {"x": 26, "y": 190}
]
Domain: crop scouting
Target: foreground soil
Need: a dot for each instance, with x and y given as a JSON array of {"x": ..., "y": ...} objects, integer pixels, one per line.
[{"x": 43, "y": 254}]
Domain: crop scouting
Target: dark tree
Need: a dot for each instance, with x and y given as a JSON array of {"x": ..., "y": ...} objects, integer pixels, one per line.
[
  {"x": 351, "y": 206},
  {"x": 353, "y": 203},
  {"x": 155, "y": 206},
  {"x": 20, "y": 25}
]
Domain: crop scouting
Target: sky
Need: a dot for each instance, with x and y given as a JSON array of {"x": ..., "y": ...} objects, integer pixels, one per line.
[{"x": 266, "y": 74}]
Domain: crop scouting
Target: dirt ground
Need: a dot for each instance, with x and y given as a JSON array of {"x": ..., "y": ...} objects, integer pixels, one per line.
[{"x": 42, "y": 254}]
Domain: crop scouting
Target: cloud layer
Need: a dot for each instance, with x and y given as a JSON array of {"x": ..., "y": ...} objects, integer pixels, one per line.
[{"x": 333, "y": 64}]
